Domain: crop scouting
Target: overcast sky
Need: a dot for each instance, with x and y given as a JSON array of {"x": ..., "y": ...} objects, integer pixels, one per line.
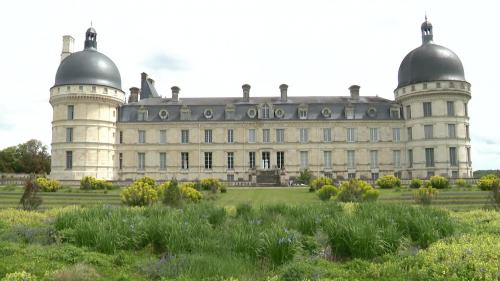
[{"x": 211, "y": 48}]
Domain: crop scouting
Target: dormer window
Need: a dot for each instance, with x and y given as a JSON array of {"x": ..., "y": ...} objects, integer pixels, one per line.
[
  {"x": 230, "y": 109},
  {"x": 394, "y": 113},
  {"x": 349, "y": 112},
  {"x": 265, "y": 111},
  {"x": 185, "y": 113},
  {"x": 142, "y": 114},
  {"x": 302, "y": 111}
]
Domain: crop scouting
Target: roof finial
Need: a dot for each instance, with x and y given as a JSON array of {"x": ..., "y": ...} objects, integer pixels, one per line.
[
  {"x": 425, "y": 15},
  {"x": 93, "y": 26}
]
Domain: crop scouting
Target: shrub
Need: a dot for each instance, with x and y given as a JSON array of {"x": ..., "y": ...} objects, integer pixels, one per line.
[
  {"x": 462, "y": 183},
  {"x": 30, "y": 200},
  {"x": 388, "y": 181},
  {"x": 92, "y": 183},
  {"x": 425, "y": 195},
  {"x": 327, "y": 191},
  {"x": 439, "y": 182},
  {"x": 356, "y": 190},
  {"x": 211, "y": 184},
  {"x": 172, "y": 195},
  {"x": 190, "y": 194},
  {"x": 151, "y": 182},
  {"x": 416, "y": 183},
  {"x": 488, "y": 182},
  {"x": 77, "y": 272},
  {"x": 305, "y": 177},
  {"x": 47, "y": 184},
  {"x": 19, "y": 276},
  {"x": 319, "y": 182},
  {"x": 223, "y": 189},
  {"x": 139, "y": 194},
  {"x": 278, "y": 245}
]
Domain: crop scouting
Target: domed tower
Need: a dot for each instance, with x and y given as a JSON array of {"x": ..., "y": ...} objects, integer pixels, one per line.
[
  {"x": 85, "y": 100},
  {"x": 434, "y": 95}
]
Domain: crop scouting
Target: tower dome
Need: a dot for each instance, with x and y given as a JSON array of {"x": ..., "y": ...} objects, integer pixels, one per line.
[
  {"x": 429, "y": 62},
  {"x": 88, "y": 67}
]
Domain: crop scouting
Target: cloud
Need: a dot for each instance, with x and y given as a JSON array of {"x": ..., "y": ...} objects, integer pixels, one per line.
[{"x": 163, "y": 61}]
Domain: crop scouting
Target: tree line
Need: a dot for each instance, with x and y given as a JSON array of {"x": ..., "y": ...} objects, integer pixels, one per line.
[{"x": 29, "y": 157}]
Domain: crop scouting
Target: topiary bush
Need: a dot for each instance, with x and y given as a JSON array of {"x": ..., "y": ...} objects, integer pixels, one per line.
[
  {"x": 425, "y": 195},
  {"x": 19, "y": 276},
  {"x": 488, "y": 182},
  {"x": 356, "y": 190},
  {"x": 139, "y": 193},
  {"x": 92, "y": 183},
  {"x": 47, "y": 184},
  {"x": 439, "y": 182},
  {"x": 326, "y": 192},
  {"x": 319, "y": 182},
  {"x": 416, "y": 183},
  {"x": 388, "y": 181},
  {"x": 211, "y": 184}
]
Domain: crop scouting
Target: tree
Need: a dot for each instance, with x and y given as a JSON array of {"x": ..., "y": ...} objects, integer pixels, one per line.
[{"x": 29, "y": 157}]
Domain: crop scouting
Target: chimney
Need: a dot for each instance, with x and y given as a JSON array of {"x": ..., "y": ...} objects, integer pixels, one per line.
[
  {"x": 284, "y": 92},
  {"x": 246, "y": 92},
  {"x": 67, "y": 49},
  {"x": 134, "y": 95},
  {"x": 354, "y": 89},
  {"x": 175, "y": 93}
]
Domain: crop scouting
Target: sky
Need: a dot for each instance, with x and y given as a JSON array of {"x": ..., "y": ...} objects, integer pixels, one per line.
[{"x": 211, "y": 48}]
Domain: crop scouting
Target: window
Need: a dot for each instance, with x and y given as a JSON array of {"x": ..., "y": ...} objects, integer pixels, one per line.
[
  {"x": 251, "y": 135},
  {"x": 280, "y": 135},
  {"x": 374, "y": 159},
  {"x": 304, "y": 135},
  {"x": 184, "y": 160},
  {"x": 265, "y": 111},
  {"x": 396, "y": 158},
  {"x": 303, "y": 113},
  {"x": 184, "y": 136},
  {"x": 266, "y": 160},
  {"x": 304, "y": 159},
  {"x": 163, "y": 136},
  {"x": 429, "y": 157},
  {"x": 163, "y": 160},
  {"x": 351, "y": 134},
  {"x": 353, "y": 175},
  {"x": 266, "y": 135},
  {"x": 408, "y": 112},
  {"x": 327, "y": 159},
  {"x": 450, "y": 106},
  {"x": 251, "y": 159},
  {"x": 141, "y": 160},
  {"x": 424, "y": 86},
  {"x": 230, "y": 178},
  {"x": 208, "y": 160},
  {"x": 467, "y": 132},
  {"x": 94, "y": 88},
  {"x": 373, "y": 134},
  {"x": 327, "y": 134},
  {"x": 452, "y": 131},
  {"x": 69, "y": 160},
  {"x": 396, "y": 134},
  {"x": 398, "y": 174},
  {"x": 428, "y": 131},
  {"x": 280, "y": 159},
  {"x": 410, "y": 158},
  {"x": 350, "y": 159},
  {"x": 230, "y": 160},
  {"x": 230, "y": 136},
  {"x": 120, "y": 161},
  {"x": 80, "y": 88},
  {"x": 142, "y": 136},
  {"x": 454, "y": 174},
  {"x": 142, "y": 115},
  {"x": 466, "y": 109},
  {"x": 208, "y": 136},
  {"x": 410, "y": 134},
  {"x": 438, "y": 84},
  {"x": 69, "y": 134},
  {"x": 453, "y": 156},
  {"x": 468, "y": 156},
  {"x": 121, "y": 136},
  {"x": 427, "y": 109},
  {"x": 71, "y": 112}
]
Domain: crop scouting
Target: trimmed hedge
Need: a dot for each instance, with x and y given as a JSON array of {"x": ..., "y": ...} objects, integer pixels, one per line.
[{"x": 92, "y": 183}]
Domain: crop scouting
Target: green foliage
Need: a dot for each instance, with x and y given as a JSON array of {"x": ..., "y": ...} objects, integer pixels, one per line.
[
  {"x": 439, "y": 182},
  {"x": 356, "y": 190},
  {"x": 77, "y": 272},
  {"x": 190, "y": 194},
  {"x": 425, "y": 195},
  {"x": 305, "y": 177},
  {"x": 91, "y": 183},
  {"x": 140, "y": 193},
  {"x": 243, "y": 210},
  {"x": 388, "y": 181},
  {"x": 47, "y": 185},
  {"x": 171, "y": 193},
  {"x": 462, "y": 183},
  {"x": 326, "y": 192},
  {"x": 278, "y": 245},
  {"x": 30, "y": 200},
  {"x": 151, "y": 182},
  {"x": 19, "y": 276},
  {"x": 416, "y": 183},
  {"x": 211, "y": 184},
  {"x": 319, "y": 182},
  {"x": 29, "y": 157},
  {"x": 488, "y": 182}
]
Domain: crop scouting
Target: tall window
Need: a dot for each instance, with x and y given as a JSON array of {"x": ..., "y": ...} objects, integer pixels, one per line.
[
  {"x": 304, "y": 135},
  {"x": 142, "y": 115},
  {"x": 427, "y": 109},
  {"x": 208, "y": 136},
  {"x": 141, "y": 160},
  {"x": 350, "y": 159},
  {"x": 69, "y": 134},
  {"x": 327, "y": 134},
  {"x": 327, "y": 159},
  {"x": 163, "y": 160},
  {"x": 351, "y": 134},
  {"x": 184, "y": 136},
  {"x": 121, "y": 136},
  {"x": 373, "y": 134},
  {"x": 184, "y": 160},
  {"x": 69, "y": 160},
  {"x": 71, "y": 112},
  {"x": 428, "y": 131},
  {"x": 374, "y": 159},
  {"x": 466, "y": 109},
  {"x": 280, "y": 135},
  {"x": 265, "y": 111},
  {"x": 408, "y": 112},
  {"x": 467, "y": 135},
  {"x": 251, "y": 136},
  {"x": 266, "y": 160},
  {"x": 120, "y": 161},
  {"x": 266, "y": 135},
  {"x": 230, "y": 136},
  {"x": 208, "y": 160},
  {"x": 303, "y": 113},
  {"x": 230, "y": 160},
  {"x": 280, "y": 159},
  {"x": 410, "y": 158},
  {"x": 410, "y": 133},
  {"x": 396, "y": 134},
  {"x": 450, "y": 106},
  {"x": 429, "y": 157},
  {"x": 304, "y": 159},
  {"x": 163, "y": 136},
  {"x": 251, "y": 159},
  {"x": 469, "y": 161},
  {"x": 396, "y": 158},
  {"x": 452, "y": 131},
  {"x": 142, "y": 136},
  {"x": 453, "y": 156}
]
